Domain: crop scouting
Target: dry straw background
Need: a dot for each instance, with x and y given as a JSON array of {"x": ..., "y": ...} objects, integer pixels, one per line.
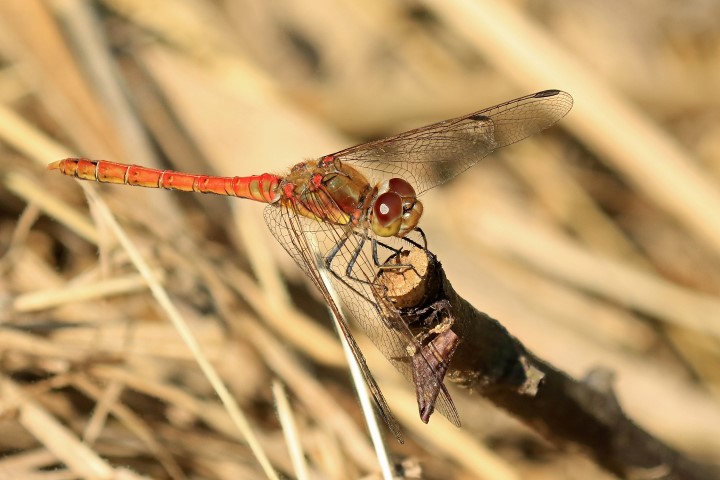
[{"x": 597, "y": 243}]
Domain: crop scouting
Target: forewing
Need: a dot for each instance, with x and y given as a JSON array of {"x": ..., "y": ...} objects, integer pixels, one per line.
[{"x": 431, "y": 155}]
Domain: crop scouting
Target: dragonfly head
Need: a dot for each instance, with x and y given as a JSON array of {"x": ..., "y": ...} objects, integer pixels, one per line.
[{"x": 395, "y": 209}]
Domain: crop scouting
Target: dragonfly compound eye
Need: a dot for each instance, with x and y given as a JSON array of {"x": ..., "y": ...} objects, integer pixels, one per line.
[
  {"x": 387, "y": 214},
  {"x": 402, "y": 188}
]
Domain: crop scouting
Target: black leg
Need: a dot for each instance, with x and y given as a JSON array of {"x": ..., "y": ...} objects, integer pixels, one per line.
[
  {"x": 391, "y": 266},
  {"x": 351, "y": 264}
]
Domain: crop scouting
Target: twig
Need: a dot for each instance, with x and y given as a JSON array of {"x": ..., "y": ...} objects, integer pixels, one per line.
[{"x": 493, "y": 363}]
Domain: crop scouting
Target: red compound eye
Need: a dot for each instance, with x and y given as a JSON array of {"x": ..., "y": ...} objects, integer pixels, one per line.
[
  {"x": 388, "y": 208},
  {"x": 401, "y": 187}
]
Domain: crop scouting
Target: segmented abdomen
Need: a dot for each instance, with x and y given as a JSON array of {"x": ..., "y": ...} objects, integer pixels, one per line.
[{"x": 262, "y": 188}]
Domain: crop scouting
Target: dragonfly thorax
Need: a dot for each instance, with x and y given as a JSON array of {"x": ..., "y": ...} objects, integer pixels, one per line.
[
  {"x": 395, "y": 210},
  {"x": 327, "y": 190}
]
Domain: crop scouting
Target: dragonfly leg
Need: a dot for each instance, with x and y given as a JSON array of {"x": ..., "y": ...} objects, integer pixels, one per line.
[
  {"x": 351, "y": 264},
  {"x": 354, "y": 257},
  {"x": 386, "y": 265},
  {"x": 376, "y": 259},
  {"x": 351, "y": 280},
  {"x": 422, "y": 235},
  {"x": 333, "y": 253},
  {"x": 356, "y": 254}
]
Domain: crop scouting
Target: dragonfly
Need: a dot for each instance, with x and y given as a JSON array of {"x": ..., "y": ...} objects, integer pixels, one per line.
[{"x": 334, "y": 214}]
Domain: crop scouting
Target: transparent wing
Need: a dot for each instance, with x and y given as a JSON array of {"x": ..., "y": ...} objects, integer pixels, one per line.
[
  {"x": 312, "y": 243},
  {"x": 298, "y": 236},
  {"x": 431, "y": 155}
]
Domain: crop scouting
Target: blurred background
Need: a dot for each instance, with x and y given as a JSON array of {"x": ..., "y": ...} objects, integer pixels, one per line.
[{"x": 596, "y": 243}]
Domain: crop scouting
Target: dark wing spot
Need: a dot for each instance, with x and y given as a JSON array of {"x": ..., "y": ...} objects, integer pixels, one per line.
[
  {"x": 479, "y": 118},
  {"x": 546, "y": 93}
]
